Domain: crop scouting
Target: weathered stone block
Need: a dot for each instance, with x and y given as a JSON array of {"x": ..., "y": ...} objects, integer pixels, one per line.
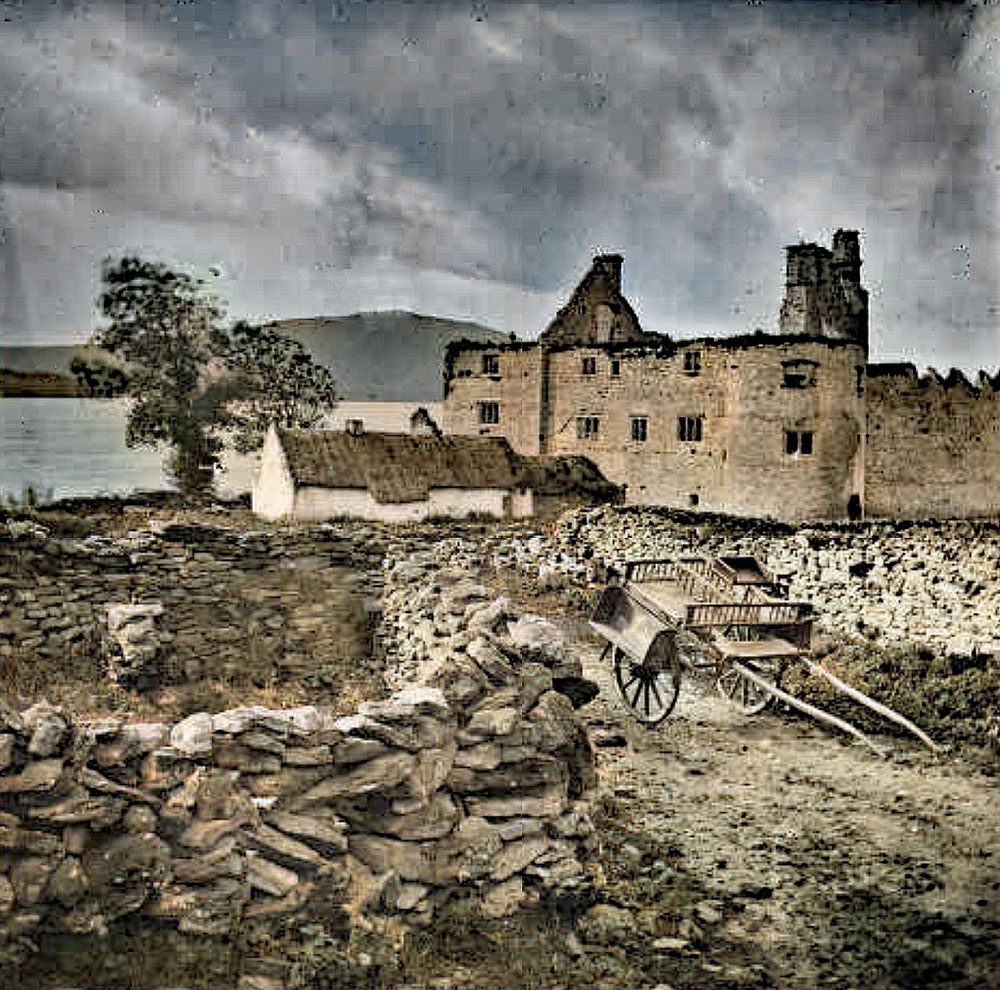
[
  {"x": 433, "y": 821},
  {"x": 82, "y": 808},
  {"x": 468, "y": 852},
  {"x": 269, "y": 877},
  {"x": 192, "y": 737},
  {"x": 378, "y": 774},
  {"x": 498, "y": 900},
  {"x": 535, "y": 772},
  {"x": 68, "y": 883},
  {"x": 47, "y": 728},
  {"x": 516, "y": 855},
  {"x": 358, "y": 750},
  {"x": 326, "y": 833},
  {"x": 42, "y": 775},
  {"x": 411, "y": 860},
  {"x": 492, "y": 722},
  {"x": 546, "y": 802}
]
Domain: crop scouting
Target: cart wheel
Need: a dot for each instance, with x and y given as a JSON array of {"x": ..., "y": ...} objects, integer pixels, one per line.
[
  {"x": 649, "y": 687},
  {"x": 747, "y": 695}
]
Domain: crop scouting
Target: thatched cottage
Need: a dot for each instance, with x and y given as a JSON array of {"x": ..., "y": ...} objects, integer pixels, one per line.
[
  {"x": 396, "y": 477},
  {"x": 392, "y": 477}
]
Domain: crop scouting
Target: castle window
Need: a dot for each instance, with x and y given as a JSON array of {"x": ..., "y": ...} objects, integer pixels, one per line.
[
  {"x": 692, "y": 362},
  {"x": 602, "y": 323},
  {"x": 799, "y": 373},
  {"x": 689, "y": 429},
  {"x": 355, "y": 427},
  {"x": 489, "y": 412},
  {"x": 799, "y": 442},
  {"x": 859, "y": 370},
  {"x": 491, "y": 364},
  {"x": 587, "y": 427},
  {"x": 589, "y": 366},
  {"x": 639, "y": 428},
  {"x": 616, "y": 367}
]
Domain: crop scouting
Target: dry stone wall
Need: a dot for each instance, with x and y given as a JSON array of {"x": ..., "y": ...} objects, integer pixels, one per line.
[
  {"x": 935, "y": 583},
  {"x": 235, "y": 603},
  {"x": 464, "y": 779}
]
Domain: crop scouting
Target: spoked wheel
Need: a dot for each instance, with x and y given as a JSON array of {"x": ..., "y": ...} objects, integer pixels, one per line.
[
  {"x": 746, "y": 694},
  {"x": 649, "y": 687}
]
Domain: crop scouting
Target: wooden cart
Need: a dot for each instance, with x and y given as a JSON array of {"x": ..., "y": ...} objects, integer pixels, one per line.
[
  {"x": 736, "y": 620},
  {"x": 736, "y": 610}
]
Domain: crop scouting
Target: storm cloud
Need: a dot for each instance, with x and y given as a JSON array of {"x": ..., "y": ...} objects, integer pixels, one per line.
[{"x": 467, "y": 159}]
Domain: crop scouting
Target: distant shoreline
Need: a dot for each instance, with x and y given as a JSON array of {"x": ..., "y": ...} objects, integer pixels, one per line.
[{"x": 39, "y": 384}]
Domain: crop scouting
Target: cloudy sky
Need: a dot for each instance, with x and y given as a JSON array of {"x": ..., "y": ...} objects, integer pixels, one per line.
[{"x": 466, "y": 159}]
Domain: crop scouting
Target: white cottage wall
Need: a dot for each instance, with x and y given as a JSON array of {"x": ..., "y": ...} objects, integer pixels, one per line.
[
  {"x": 273, "y": 494},
  {"x": 313, "y": 504}
]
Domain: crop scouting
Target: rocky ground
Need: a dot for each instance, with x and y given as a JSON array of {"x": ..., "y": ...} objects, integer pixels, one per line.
[{"x": 772, "y": 854}]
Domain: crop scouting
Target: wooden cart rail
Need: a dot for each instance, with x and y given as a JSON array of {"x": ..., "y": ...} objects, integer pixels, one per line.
[
  {"x": 700, "y": 614},
  {"x": 712, "y": 571}
]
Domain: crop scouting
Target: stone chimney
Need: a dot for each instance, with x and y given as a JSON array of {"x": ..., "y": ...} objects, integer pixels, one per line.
[{"x": 610, "y": 266}]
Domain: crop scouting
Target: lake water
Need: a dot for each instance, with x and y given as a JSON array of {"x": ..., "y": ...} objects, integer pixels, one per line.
[{"x": 63, "y": 448}]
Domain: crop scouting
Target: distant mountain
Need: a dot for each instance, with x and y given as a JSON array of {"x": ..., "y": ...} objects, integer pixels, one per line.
[
  {"x": 391, "y": 355},
  {"x": 32, "y": 360}
]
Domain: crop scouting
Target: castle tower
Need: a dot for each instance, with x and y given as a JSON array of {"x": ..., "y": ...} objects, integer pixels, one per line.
[{"x": 823, "y": 292}]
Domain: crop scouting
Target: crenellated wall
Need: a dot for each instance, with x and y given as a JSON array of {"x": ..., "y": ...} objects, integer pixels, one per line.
[{"x": 933, "y": 445}]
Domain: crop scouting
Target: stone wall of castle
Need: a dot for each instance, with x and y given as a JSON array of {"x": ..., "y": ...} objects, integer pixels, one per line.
[
  {"x": 708, "y": 425},
  {"x": 933, "y": 447},
  {"x": 765, "y": 425},
  {"x": 514, "y": 387}
]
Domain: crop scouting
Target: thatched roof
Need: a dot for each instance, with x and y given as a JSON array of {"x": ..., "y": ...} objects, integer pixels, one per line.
[
  {"x": 566, "y": 475},
  {"x": 396, "y": 467}
]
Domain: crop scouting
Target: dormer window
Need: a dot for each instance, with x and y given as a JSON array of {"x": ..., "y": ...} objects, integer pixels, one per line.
[
  {"x": 692, "y": 363},
  {"x": 491, "y": 364},
  {"x": 798, "y": 373}
]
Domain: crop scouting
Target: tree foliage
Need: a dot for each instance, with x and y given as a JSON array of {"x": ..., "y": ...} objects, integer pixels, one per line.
[
  {"x": 195, "y": 382},
  {"x": 273, "y": 379},
  {"x": 99, "y": 379}
]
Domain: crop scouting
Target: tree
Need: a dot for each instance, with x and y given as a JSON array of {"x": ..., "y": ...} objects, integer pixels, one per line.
[
  {"x": 272, "y": 379},
  {"x": 162, "y": 324},
  {"x": 99, "y": 379},
  {"x": 195, "y": 382}
]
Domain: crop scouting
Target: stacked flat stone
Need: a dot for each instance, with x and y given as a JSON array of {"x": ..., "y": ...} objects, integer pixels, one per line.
[{"x": 463, "y": 779}]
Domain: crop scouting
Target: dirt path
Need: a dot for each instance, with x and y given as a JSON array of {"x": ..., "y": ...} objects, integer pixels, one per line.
[{"x": 826, "y": 864}]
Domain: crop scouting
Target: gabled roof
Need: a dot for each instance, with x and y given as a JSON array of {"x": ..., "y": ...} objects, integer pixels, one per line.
[{"x": 396, "y": 467}]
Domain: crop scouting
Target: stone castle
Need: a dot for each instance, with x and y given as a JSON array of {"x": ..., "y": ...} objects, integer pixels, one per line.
[{"x": 794, "y": 426}]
